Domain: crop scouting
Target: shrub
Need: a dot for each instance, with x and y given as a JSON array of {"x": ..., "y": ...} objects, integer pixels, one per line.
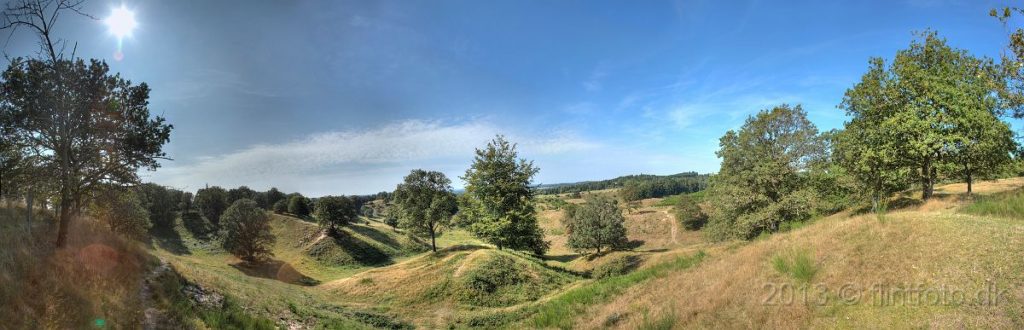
[
  {"x": 618, "y": 266},
  {"x": 689, "y": 214},
  {"x": 298, "y": 206},
  {"x": 124, "y": 214},
  {"x": 247, "y": 231},
  {"x": 281, "y": 206}
]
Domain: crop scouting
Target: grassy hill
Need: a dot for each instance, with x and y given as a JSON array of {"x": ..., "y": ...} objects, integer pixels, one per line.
[
  {"x": 845, "y": 270},
  {"x": 851, "y": 270}
]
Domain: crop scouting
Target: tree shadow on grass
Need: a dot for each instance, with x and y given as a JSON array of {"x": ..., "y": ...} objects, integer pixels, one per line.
[
  {"x": 566, "y": 258},
  {"x": 276, "y": 270},
  {"x": 197, "y": 225},
  {"x": 376, "y": 235},
  {"x": 360, "y": 251},
  {"x": 168, "y": 239}
]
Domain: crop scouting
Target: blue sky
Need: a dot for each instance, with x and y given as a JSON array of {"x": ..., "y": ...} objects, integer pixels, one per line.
[{"x": 345, "y": 97}]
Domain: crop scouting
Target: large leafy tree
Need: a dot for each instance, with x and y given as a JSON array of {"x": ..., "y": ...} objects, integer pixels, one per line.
[
  {"x": 933, "y": 108},
  {"x": 161, "y": 202},
  {"x": 498, "y": 206},
  {"x": 596, "y": 224},
  {"x": 298, "y": 205},
  {"x": 70, "y": 127},
  {"x": 82, "y": 127},
  {"x": 332, "y": 212},
  {"x": 761, "y": 182},
  {"x": 246, "y": 231},
  {"x": 212, "y": 201},
  {"x": 425, "y": 203},
  {"x": 867, "y": 152},
  {"x": 243, "y": 192},
  {"x": 123, "y": 212}
]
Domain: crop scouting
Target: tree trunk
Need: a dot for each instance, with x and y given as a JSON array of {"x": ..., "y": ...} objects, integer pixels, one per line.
[
  {"x": 433, "y": 243},
  {"x": 28, "y": 214},
  {"x": 970, "y": 179},
  {"x": 65, "y": 219},
  {"x": 927, "y": 183}
]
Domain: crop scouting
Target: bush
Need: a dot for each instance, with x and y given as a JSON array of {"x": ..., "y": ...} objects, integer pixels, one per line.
[
  {"x": 246, "y": 230},
  {"x": 281, "y": 207},
  {"x": 689, "y": 214},
  {"x": 124, "y": 214},
  {"x": 298, "y": 206},
  {"x": 618, "y": 266}
]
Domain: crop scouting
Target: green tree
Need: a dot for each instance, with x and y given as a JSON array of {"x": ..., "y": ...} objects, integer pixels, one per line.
[
  {"x": 689, "y": 214},
  {"x": 242, "y": 192},
  {"x": 760, "y": 183},
  {"x": 425, "y": 204},
  {"x": 123, "y": 212},
  {"x": 246, "y": 231},
  {"x": 981, "y": 144},
  {"x": 332, "y": 212},
  {"x": 82, "y": 127},
  {"x": 298, "y": 206},
  {"x": 160, "y": 202},
  {"x": 391, "y": 217},
  {"x": 596, "y": 224},
  {"x": 212, "y": 202},
  {"x": 272, "y": 196},
  {"x": 498, "y": 206},
  {"x": 935, "y": 107},
  {"x": 281, "y": 206}
]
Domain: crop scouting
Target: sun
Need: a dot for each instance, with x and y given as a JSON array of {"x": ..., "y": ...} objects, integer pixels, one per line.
[{"x": 121, "y": 22}]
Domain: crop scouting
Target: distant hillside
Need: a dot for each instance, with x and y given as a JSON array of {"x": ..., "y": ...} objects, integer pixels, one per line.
[{"x": 641, "y": 185}]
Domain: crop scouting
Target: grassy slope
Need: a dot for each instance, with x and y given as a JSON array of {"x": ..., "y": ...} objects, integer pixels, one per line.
[
  {"x": 933, "y": 245},
  {"x": 930, "y": 243}
]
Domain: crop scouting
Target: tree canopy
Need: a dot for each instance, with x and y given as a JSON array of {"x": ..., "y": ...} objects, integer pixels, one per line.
[
  {"x": 934, "y": 109},
  {"x": 73, "y": 122},
  {"x": 425, "y": 203},
  {"x": 246, "y": 231},
  {"x": 212, "y": 202},
  {"x": 596, "y": 224},
  {"x": 761, "y": 184},
  {"x": 498, "y": 206},
  {"x": 332, "y": 212}
]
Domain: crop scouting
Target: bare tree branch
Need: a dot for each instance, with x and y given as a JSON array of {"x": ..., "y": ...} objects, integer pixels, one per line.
[{"x": 40, "y": 16}]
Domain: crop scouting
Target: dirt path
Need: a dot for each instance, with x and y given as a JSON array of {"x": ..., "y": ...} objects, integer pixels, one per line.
[
  {"x": 153, "y": 316},
  {"x": 675, "y": 226}
]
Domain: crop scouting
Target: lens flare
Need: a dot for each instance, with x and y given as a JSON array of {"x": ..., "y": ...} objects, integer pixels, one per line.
[{"x": 121, "y": 23}]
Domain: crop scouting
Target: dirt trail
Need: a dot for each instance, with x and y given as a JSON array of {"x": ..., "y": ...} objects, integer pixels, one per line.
[
  {"x": 675, "y": 226},
  {"x": 153, "y": 316}
]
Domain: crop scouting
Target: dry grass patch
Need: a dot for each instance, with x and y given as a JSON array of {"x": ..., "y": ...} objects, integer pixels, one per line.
[{"x": 933, "y": 250}]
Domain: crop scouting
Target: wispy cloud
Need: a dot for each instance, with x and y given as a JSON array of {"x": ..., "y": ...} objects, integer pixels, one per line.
[
  {"x": 343, "y": 155},
  {"x": 595, "y": 82}
]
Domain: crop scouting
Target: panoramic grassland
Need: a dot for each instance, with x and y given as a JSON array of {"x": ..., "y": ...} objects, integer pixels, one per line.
[{"x": 899, "y": 204}]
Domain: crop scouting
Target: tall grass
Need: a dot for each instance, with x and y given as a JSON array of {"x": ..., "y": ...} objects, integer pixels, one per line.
[
  {"x": 561, "y": 311},
  {"x": 798, "y": 264},
  {"x": 1008, "y": 205}
]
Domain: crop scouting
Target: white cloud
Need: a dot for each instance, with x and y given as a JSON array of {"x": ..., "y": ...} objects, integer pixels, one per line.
[{"x": 351, "y": 158}]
